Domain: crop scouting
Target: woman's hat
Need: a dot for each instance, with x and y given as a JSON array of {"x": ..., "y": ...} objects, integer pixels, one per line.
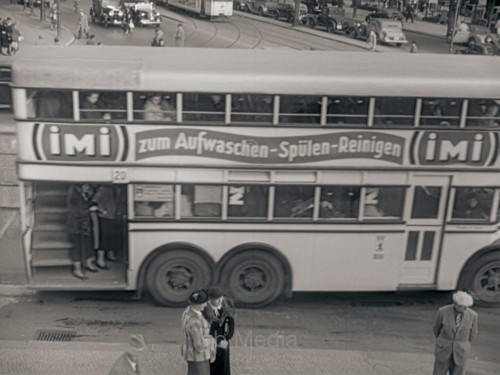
[
  {"x": 215, "y": 292},
  {"x": 198, "y": 297}
]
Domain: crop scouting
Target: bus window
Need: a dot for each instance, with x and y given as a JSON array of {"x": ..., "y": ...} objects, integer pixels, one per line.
[
  {"x": 339, "y": 202},
  {"x": 300, "y": 109},
  {"x": 247, "y": 201},
  {"x": 384, "y": 202},
  {"x": 204, "y": 107},
  {"x": 252, "y": 108},
  {"x": 483, "y": 112},
  {"x": 153, "y": 201},
  {"x": 50, "y": 104},
  {"x": 394, "y": 111},
  {"x": 201, "y": 201},
  {"x": 5, "y": 96},
  {"x": 154, "y": 106},
  {"x": 347, "y": 110},
  {"x": 426, "y": 202},
  {"x": 444, "y": 112},
  {"x": 107, "y": 105},
  {"x": 472, "y": 203},
  {"x": 294, "y": 201}
]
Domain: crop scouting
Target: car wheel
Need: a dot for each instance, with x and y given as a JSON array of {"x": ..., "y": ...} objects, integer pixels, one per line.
[
  {"x": 472, "y": 42},
  {"x": 352, "y": 33},
  {"x": 276, "y": 15},
  {"x": 483, "y": 279},
  {"x": 399, "y": 44},
  {"x": 310, "y": 23},
  {"x": 331, "y": 27},
  {"x": 261, "y": 12}
]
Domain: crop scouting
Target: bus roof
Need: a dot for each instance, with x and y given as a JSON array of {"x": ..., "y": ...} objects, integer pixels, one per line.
[{"x": 256, "y": 71}]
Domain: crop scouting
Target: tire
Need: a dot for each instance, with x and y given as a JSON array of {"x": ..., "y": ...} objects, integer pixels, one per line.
[
  {"x": 472, "y": 42},
  {"x": 352, "y": 33},
  {"x": 173, "y": 275},
  {"x": 310, "y": 23},
  {"x": 399, "y": 44},
  {"x": 254, "y": 278},
  {"x": 482, "y": 278},
  {"x": 261, "y": 12},
  {"x": 331, "y": 27},
  {"x": 276, "y": 15}
]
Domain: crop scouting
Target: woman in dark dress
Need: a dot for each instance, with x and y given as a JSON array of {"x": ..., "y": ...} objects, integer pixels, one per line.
[{"x": 220, "y": 314}]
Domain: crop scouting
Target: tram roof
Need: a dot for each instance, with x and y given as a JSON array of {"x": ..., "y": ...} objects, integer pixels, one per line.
[{"x": 256, "y": 71}]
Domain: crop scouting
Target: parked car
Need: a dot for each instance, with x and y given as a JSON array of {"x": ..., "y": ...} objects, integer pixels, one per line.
[
  {"x": 479, "y": 49},
  {"x": 106, "y": 12},
  {"x": 143, "y": 13},
  {"x": 279, "y": 9},
  {"x": 240, "y": 5},
  {"x": 386, "y": 30},
  {"x": 473, "y": 34},
  {"x": 391, "y": 14},
  {"x": 331, "y": 18}
]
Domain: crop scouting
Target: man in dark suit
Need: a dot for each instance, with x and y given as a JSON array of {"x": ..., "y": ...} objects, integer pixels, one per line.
[
  {"x": 127, "y": 363},
  {"x": 455, "y": 328}
]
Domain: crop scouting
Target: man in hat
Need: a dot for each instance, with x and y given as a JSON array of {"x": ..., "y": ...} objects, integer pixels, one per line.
[
  {"x": 455, "y": 328},
  {"x": 127, "y": 363},
  {"x": 198, "y": 348}
]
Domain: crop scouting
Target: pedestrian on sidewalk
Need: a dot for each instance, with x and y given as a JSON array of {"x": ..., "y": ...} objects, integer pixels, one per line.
[
  {"x": 220, "y": 314},
  {"x": 128, "y": 362},
  {"x": 414, "y": 47},
  {"x": 179, "y": 36},
  {"x": 16, "y": 38},
  {"x": 83, "y": 25},
  {"x": 455, "y": 328},
  {"x": 409, "y": 13},
  {"x": 158, "y": 40},
  {"x": 198, "y": 348},
  {"x": 372, "y": 41}
]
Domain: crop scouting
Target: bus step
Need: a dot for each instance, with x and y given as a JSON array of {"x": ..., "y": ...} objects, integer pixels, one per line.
[
  {"x": 61, "y": 262},
  {"x": 41, "y": 236},
  {"x": 44, "y": 245}
]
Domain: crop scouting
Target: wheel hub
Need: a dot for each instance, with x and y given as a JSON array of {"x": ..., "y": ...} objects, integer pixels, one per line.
[
  {"x": 252, "y": 279},
  {"x": 491, "y": 280},
  {"x": 179, "y": 278}
]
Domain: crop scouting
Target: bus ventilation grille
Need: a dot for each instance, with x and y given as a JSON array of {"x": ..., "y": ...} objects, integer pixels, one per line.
[{"x": 54, "y": 335}]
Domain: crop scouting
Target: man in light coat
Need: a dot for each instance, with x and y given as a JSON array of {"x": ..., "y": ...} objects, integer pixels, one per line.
[{"x": 455, "y": 328}]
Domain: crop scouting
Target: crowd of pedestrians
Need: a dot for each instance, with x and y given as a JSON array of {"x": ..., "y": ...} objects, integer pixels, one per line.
[{"x": 10, "y": 37}]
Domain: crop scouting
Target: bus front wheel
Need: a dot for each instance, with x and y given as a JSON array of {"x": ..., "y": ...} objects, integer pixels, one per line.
[
  {"x": 254, "y": 278},
  {"x": 484, "y": 279},
  {"x": 173, "y": 275}
]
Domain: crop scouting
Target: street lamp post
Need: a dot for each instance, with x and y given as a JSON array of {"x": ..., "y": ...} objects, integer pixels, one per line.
[{"x": 58, "y": 2}]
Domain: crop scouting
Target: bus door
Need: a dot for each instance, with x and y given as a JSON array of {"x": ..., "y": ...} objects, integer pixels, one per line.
[{"x": 425, "y": 210}]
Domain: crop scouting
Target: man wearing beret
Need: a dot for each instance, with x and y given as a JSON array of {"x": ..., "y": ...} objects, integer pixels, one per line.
[
  {"x": 455, "y": 328},
  {"x": 197, "y": 346}
]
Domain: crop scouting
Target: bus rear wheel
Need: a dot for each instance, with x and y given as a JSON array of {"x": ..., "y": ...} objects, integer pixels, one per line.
[
  {"x": 484, "y": 280},
  {"x": 173, "y": 275},
  {"x": 254, "y": 278}
]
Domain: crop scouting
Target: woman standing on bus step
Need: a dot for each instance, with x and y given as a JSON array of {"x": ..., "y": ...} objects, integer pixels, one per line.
[
  {"x": 83, "y": 228},
  {"x": 106, "y": 203},
  {"x": 220, "y": 314}
]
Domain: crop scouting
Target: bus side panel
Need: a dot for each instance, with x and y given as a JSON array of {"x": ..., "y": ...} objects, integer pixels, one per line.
[
  {"x": 319, "y": 261},
  {"x": 457, "y": 248},
  {"x": 25, "y": 149}
]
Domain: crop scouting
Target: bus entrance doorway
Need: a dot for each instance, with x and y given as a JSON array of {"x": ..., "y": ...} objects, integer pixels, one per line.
[
  {"x": 49, "y": 227},
  {"x": 427, "y": 206}
]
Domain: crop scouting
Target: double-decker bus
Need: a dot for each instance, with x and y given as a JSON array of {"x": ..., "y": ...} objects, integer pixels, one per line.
[
  {"x": 265, "y": 171},
  {"x": 210, "y": 9}
]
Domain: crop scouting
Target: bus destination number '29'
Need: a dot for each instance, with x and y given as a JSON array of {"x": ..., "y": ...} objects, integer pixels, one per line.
[{"x": 120, "y": 176}]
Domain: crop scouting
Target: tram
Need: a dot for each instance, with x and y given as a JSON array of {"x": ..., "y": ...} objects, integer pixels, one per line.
[{"x": 211, "y": 9}]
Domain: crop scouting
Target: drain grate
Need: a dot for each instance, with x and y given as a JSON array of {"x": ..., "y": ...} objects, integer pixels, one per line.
[{"x": 54, "y": 335}]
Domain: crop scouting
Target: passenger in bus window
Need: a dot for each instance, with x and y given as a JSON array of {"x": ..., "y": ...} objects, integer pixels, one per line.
[
  {"x": 212, "y": 107},
  {"x": 347, "y": 110},
  {"x": 294, "y": 201},
  {"x": 444, "y": 112},
  {"x": 157, "y": 108},
  {"x": 264, "y": 104},
  {"x": 484, "y": 113},
  {"x": 473, "y": 203},
  {"x": 328, "y": 204},
  {"x": 91, "y": 107}
]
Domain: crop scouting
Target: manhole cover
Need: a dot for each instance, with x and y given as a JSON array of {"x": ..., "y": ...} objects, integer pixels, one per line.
[{"x": 54, "y": 335}]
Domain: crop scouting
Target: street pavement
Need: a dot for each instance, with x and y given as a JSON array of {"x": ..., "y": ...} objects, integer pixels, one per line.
[
  {"x": 252, "y": 355},
  {"x": 257, "y": 355}
]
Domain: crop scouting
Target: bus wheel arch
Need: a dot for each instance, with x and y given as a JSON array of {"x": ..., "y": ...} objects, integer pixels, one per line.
[
  {"x": 173, "y": 271},
  {"x": 255, "y": 266},
  {"x": 481, "y": 275}
]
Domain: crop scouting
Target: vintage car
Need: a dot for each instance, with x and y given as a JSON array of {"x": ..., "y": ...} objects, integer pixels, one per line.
[
  {"x": 333, "y": 19},
  {"x": 386, "y": 30},
  {"x": 390, "y": 14},
  {"x": 279, "y": 9},
  {"x": 473, "y": 34},
  {"x": 106, "y": 12},
  {"x": 240, "y": 5},
  {"x": 143, "y": 12}
]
